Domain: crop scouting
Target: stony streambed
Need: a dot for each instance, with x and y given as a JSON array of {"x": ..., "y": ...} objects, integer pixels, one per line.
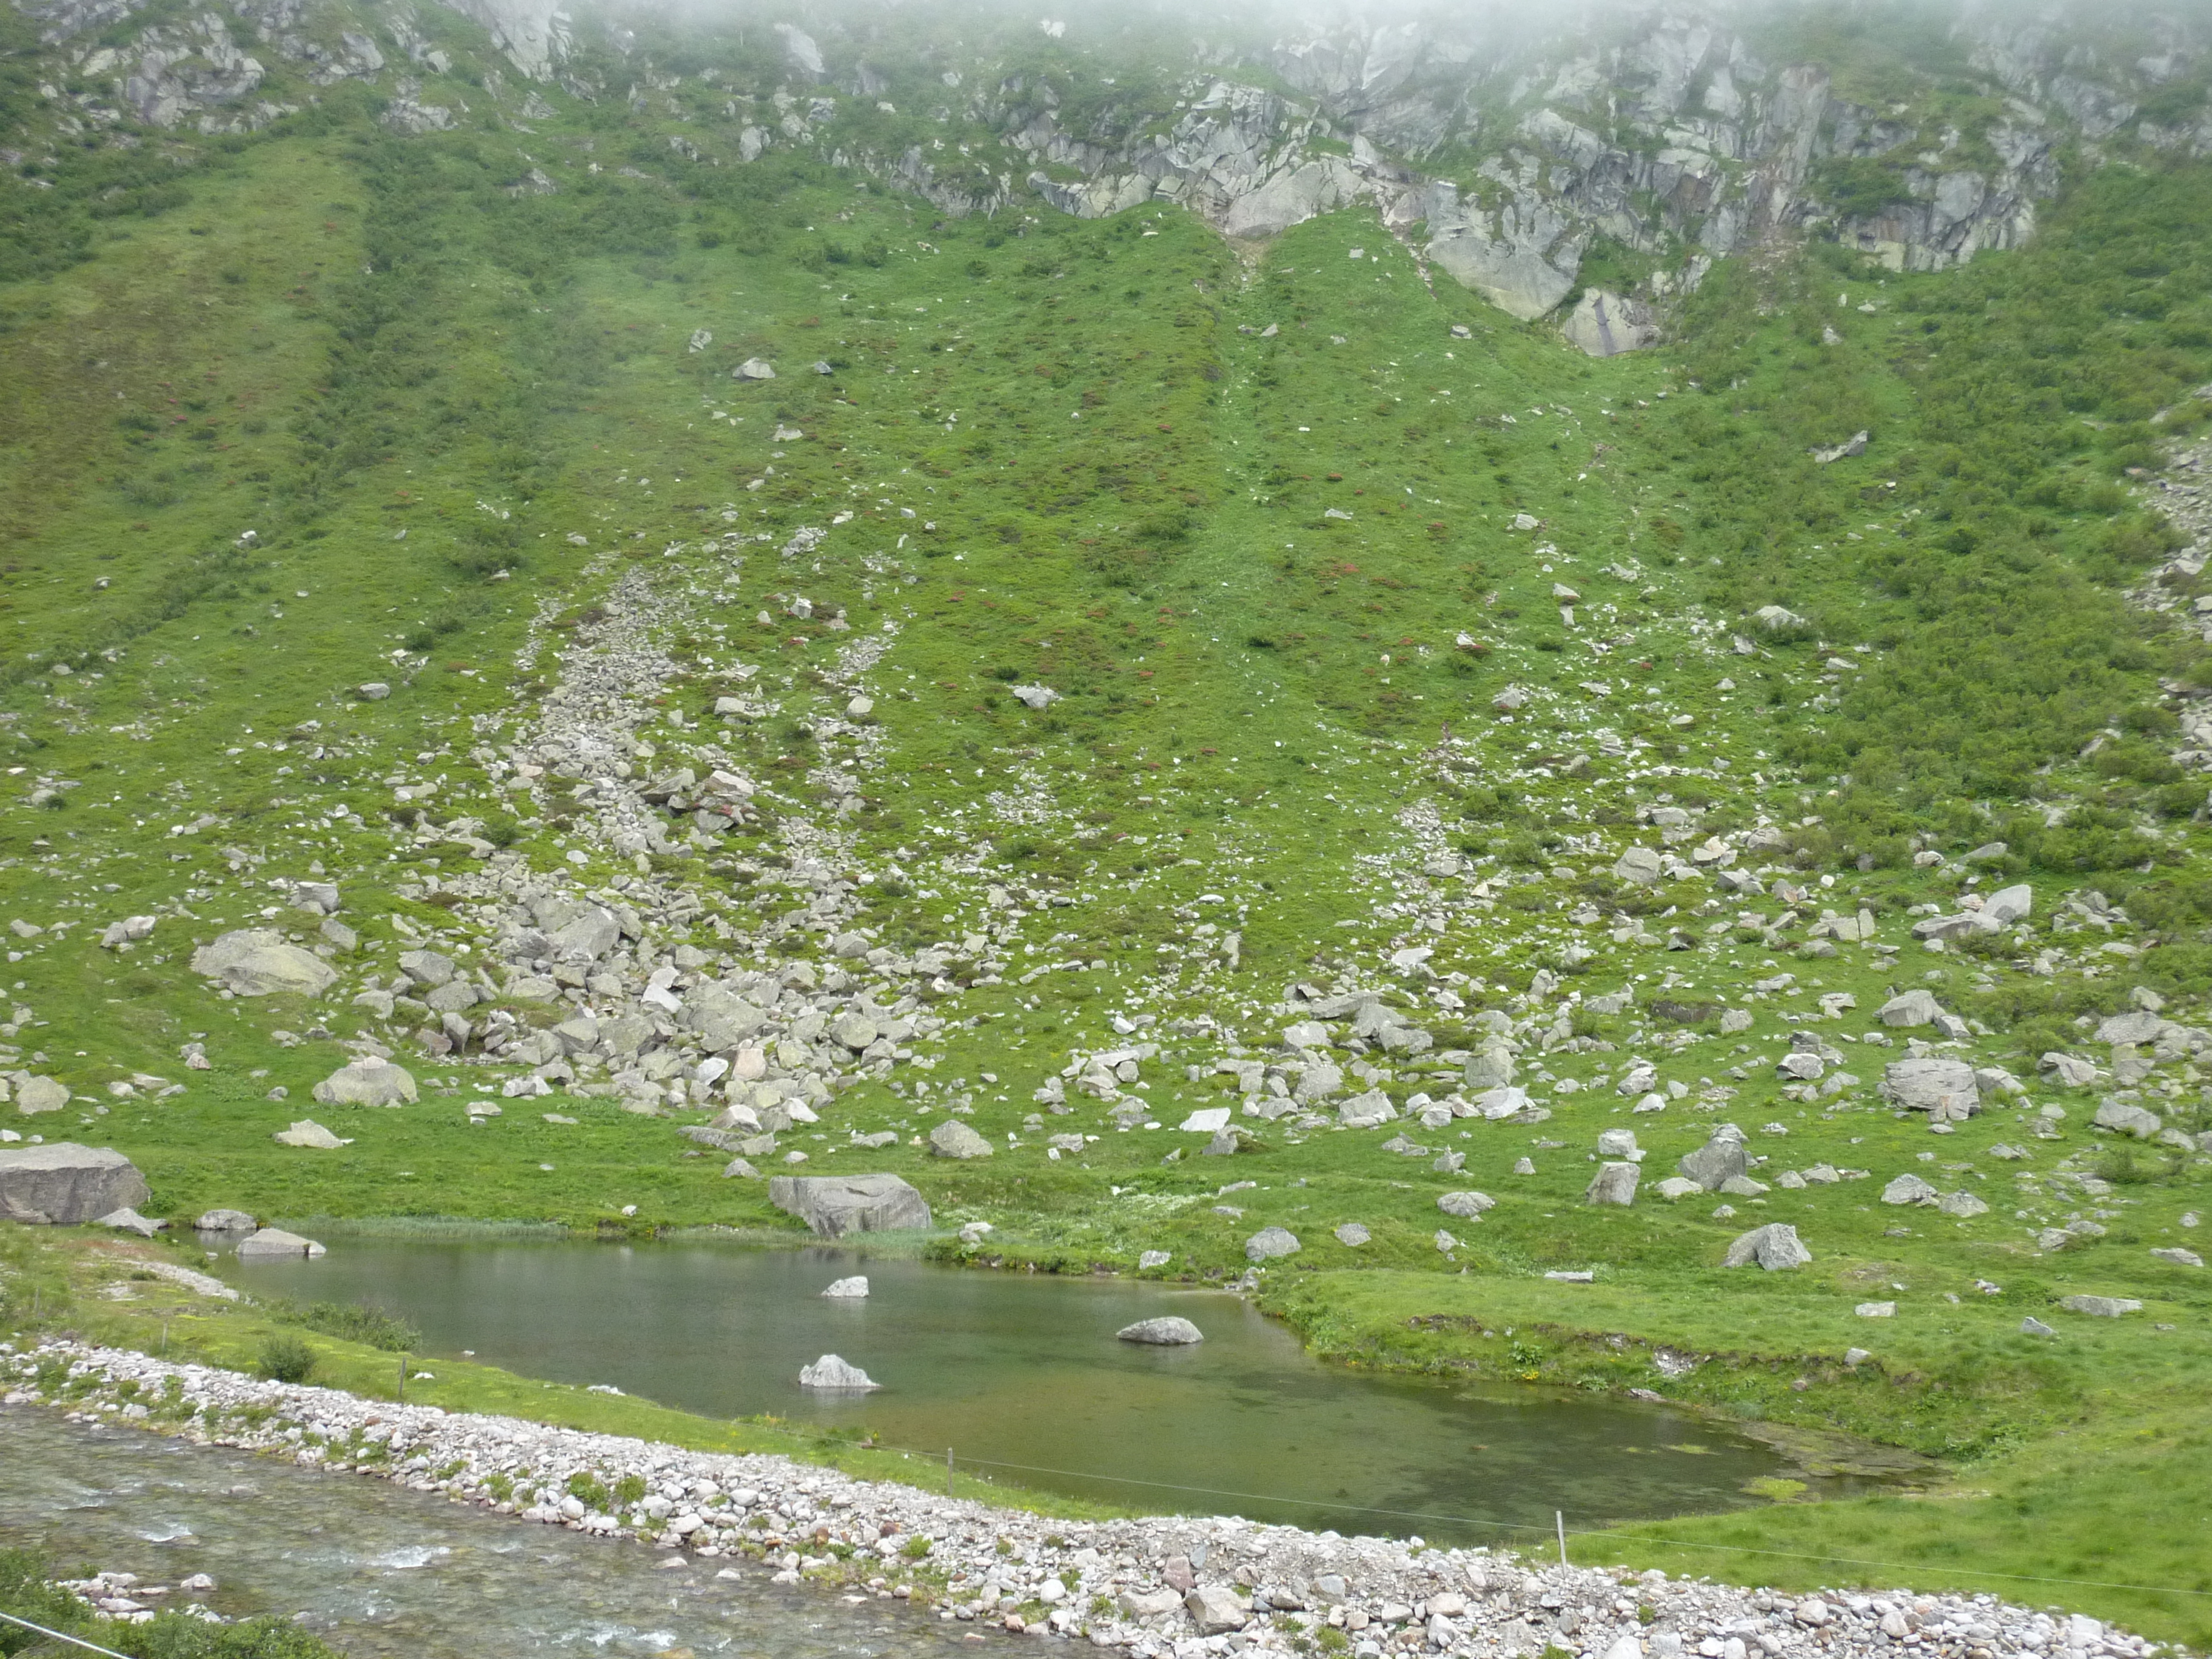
[{"x": 1154, "y": 1588}]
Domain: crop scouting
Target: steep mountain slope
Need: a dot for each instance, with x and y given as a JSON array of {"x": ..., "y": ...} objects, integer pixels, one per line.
[{"x": 745, "y": 625}]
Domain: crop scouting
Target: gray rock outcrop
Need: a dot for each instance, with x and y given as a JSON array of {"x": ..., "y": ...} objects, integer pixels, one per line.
[
  {"x": 371, "y": 1080},
  {"x": 834, "y": 1205},
  {"x": 1775, "y": 1246},
  {"x": 1716, "y": 1162},
  {"x": 1270, "y": 1242},
  {"x": 259, "y": 962},
  {"x": 1943, "y": 1088},
  {"x": 64, "y": 1185},
  {"x": 1614, "y": 1183},
  {"x": 953, "y": 1139}
]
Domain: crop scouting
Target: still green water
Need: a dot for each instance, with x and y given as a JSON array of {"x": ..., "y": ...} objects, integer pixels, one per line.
[{"x": 1022, "y": 1376}]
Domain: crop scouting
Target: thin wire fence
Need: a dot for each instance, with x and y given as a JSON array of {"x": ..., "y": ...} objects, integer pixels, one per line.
[{"x": 63, "y": 1636}]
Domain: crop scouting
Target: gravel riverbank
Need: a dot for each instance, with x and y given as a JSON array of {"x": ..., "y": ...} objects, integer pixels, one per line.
[{"x": 1154, "y": 1588}]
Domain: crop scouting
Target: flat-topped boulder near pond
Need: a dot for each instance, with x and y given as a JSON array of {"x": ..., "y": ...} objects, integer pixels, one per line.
[
  {"x": 834, "y": 1205},
  {"x": 64, "y": 1184}
]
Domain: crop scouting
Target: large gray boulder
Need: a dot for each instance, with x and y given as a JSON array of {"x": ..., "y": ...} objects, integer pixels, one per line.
[
  {"x": 274, "y": 1244},
  {"x": 1271, "y": 1241},
  {"x": 834, "y": 1205},
  {"x": 1941, "y": 1087},
  {"x": 831, "y": 1372},
  {"x": 371, "y": 1080},
  {"x": 953, "y": 1139},
  {"x": 1915, "y": 1007},
  {"x": 1467, "y": 1205},
  {"x": 1713, "y": 1162},
  {"x": 1167, "y": 1332},
  {"x": 2127, "y": 1119},
  {"x": 1775, "y": 1246},
  {"x": 259, "y": 962},
  {"x": 35, "y": 1094},
  {"x": 1909, "y": 1189},
  {"x": 65, "y": 1184},
  {"x": 1614, "y": 1183}
]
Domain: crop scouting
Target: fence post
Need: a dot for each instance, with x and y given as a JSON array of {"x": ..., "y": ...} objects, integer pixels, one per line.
[
  {"x": 948, "y": 1471},
  {"x": 1560, "y": 1517}
]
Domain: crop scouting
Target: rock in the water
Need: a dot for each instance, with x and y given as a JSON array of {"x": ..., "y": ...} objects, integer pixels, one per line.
[
  {"x": 1774, "y": 1247},
  {"x": 257, "y": 962},
  {"x": 855, "y": 1288},
  {"x": 225, "y": 1221},
  {"x": 1271, "y": 1241},
  {"x": 1167, "y": 1332},
  {"x": 275, "y": 1242},
  {"x": 65, "y": 1185},
  {"x": 130, "y": 1221},
  {"x": 1469, "y": 1207},
  {"x": 2101, "y": 1307},
  {"x": 371, "y": 1080},
  {"x": 953, "y": 1139},
  {"x": 831, "y": 1372},
  {"x": 1352, "y": 1234},
  {"x": 308, "y": 1133},
  {"x": 1614, "y": 1183},
  {"x": 834, "y": 1205}
]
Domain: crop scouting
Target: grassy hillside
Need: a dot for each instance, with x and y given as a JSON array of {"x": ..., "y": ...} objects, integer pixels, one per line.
[{"x": 1377, "y": 622}]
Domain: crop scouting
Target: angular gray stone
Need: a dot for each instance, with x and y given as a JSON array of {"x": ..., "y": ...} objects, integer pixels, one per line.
[
  {"x": 1215, "y": 1608},
  {"x": 2101, "y": 1307},
  {"x": 1352, "y": 1235},
  {"x": 1775, "y": 1246},
  {"x": 370, "y": 1080},
  {"x": 1713, "y": 1162},
  {"x": 273, "y": 1242},
  {"x": 2009, "y": 904},
  {"x": 1942, "y": 1087},
  {"x": 834, "y": 1205},
  {"x": 834, "y": 1373},
  {"x": 1467, "y": 1206},
  {"x": 753, "y": 368},
  {"x": 257, "y": 962},
  {"x": 308, "y": 1133},
  {"x": 1605, "y": 324},
  {"x": 130, "y": 1221},
  {"x": 1914, "y": 1007},
  {"x": 855, "y": 1289},
  {"x": 1271, "y": 1241},
  {"x": 1614, "y": 1183},
  {"x": 1166, "y": 1332},
  {"x": 855, "y": 1031},
  {"x": 1365, "y": 1111},
  {"x": 953, "y": 1139},
  {"x": 1639, "y": 865},
  {"x": 1963, "y": 1206},
  {"x": 64, "y": 1184},
  {"x": 225, "y": 1221},
  {"x": 1908, "y": 1189},
  {"x": 36, "y": 1094},
  {"x": 2135, "y": 1121}
]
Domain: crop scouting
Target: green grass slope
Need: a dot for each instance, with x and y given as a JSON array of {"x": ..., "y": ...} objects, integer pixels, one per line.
[{"x": 1283, "y": 527}]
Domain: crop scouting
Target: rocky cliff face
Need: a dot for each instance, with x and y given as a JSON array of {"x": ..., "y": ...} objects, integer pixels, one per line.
[{"x": 1670, "y": 136}]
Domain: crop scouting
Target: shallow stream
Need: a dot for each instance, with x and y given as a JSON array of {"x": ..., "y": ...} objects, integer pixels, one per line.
[{"x": 378, "y": 1570}]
